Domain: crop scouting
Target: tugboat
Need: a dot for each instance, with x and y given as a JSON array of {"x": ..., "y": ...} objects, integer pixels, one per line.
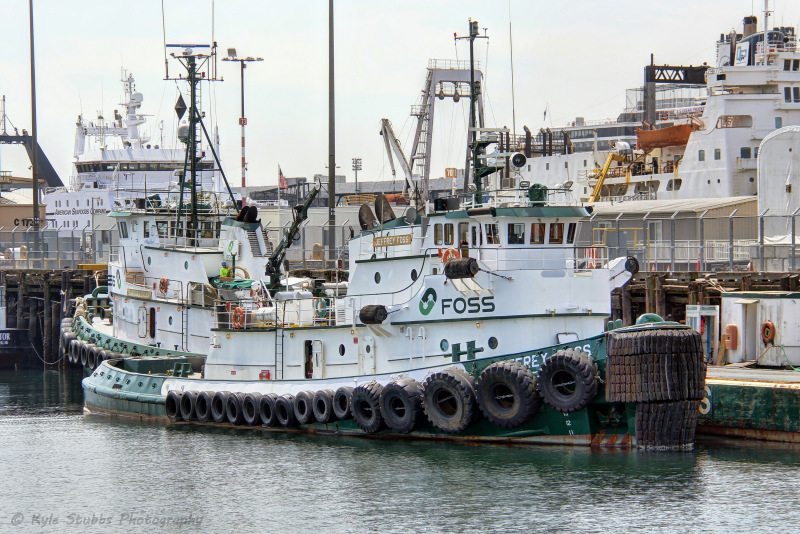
[{"x": 481, "y": 320}]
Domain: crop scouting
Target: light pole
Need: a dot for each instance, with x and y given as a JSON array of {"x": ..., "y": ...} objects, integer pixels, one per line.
[
  {"x": 242, "y": 119},
  {"x": 356, "y": 168}
]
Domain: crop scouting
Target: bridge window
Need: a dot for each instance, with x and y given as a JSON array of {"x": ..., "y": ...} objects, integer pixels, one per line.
[
  {"x": 437, "y": 234},
  {"x": 701, "y": 155},
  {"x": 463, "y": 233},
  {"x": 537, "y": 233},
  {"x": 516, "y": 234},
  {"x": 448, "y": 234},
  {"x": 571, "y": 233},
  {"x": 123, "y": 230},
  {"x": 556, "y": 233},
  {"x": 778, "y": 122},
  {"x": 146, "y": 228},
  {"x": 745, "y": 152},
  {"x": 492, "y": 234},
  {"x": 717, "y": 153},
  {"x": 796, "y": 64}
]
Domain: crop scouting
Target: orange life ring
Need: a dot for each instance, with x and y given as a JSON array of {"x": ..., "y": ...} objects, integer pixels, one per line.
[
  {"x": 450, "y": 253},
  {"x": 238, "y": 318},
  {"x": 163, "y": 284},
  {"x": 767, "y": 332}
]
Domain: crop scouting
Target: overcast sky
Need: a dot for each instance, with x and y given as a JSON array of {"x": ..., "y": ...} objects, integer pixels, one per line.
[{"x": 577, "y": 57}]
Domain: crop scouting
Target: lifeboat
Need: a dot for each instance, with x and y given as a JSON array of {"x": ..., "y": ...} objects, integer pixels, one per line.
[{"x": 677, "y": 135}]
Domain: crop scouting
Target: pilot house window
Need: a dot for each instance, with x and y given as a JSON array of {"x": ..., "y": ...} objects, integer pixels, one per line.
[
  {"x": 557, "y": 233},
  {"x": 448, "y": 234},
  {"x": 537, "y": 233},
  {"x": 516, "y": 234},
  {"x": 437, "y": 234},
  {"x": 492, "y": 235}
]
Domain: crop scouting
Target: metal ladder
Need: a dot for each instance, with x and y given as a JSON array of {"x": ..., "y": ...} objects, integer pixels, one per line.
[
  {"x": 279, "y": 330},
  {"x": 255, "y": 248},
  {"x": 185, "y": 324}
]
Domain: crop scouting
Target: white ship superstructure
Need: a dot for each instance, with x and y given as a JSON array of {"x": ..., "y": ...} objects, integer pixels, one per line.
[
  {"x": 749, "y": 96},
  {"x": 115, "y": 161}
]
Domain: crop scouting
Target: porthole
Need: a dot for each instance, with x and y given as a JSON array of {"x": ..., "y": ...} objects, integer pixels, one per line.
[
  {"x": 444, "y": 345},
  {"x": 170, "y": 319},
  {"x": 752, "y": 180},
  {"x": 186, "y": 265},
  {"x": 149, "y": 260},
  {"x": 341, "y": 350},
  {"x": 368, "y": 349},
  {"x": 413, "y": 275},
  {"x": 492, "y": 342},
  {"x": 377, "y": 278}
]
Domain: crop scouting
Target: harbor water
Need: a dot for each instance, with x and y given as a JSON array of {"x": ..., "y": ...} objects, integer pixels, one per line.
[{"x": 63, "y": 471}]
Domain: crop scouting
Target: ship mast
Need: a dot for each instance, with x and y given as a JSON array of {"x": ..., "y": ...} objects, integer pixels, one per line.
[
  {"x": 194, "y": 63},
  {"x": 474, "y": 90}
]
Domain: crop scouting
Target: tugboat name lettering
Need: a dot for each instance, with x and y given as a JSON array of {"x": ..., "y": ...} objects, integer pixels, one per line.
[{"x": 470, "y": 305}]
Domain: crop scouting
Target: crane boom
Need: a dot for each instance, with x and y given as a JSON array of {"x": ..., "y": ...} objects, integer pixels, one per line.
[
  {"x": 393, "y": 145},
  {"x": 602, "y": 177}
]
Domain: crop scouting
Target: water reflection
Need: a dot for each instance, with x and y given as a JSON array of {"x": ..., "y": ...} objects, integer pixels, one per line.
[{"x": 59, "y": 460}]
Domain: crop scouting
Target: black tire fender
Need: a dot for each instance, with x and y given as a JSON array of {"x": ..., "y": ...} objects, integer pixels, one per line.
[
  {"x": 507, "y": 395},
  {"x": 323, "y": 405},
  {"x": 448, "y": 399},
  {"x": 341, "y": 402},
  {"x": 303, "y": 407},
  {"x": 233, "y": 409},
  {"x": 401, "y": 405},
  {"x": 266, "y": 410},
  {"x": 284, "y": 411},
  {"x": 250, "y": 409},
  {"x": 568, "y": 380},
  {"x": 365, "y": 407},
  {"x": 219, "y": 406},
  {"x": 172, "y": 405},
  {"x": 202, "y": 406},
  {"x": 188, "y": 405}
]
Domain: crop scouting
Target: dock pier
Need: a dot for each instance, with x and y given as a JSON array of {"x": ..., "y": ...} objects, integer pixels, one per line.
[{"x": 35, "y": 301}]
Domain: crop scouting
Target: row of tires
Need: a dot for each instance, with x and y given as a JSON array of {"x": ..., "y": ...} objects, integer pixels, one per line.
[
  {"x": 79, "y": 352},
  {"x": 656, "y": 365},
  {"x": 507, "y": 393}
]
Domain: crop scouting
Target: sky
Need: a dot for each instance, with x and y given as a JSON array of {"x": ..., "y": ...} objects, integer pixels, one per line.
[{"x": 573, "y": 57}]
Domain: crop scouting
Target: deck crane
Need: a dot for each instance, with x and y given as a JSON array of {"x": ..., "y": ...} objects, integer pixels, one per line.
[{"x": 393, "y": 145}]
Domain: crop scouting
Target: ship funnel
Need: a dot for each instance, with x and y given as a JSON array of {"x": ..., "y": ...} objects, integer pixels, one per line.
[{"x": 750, "y": 26}]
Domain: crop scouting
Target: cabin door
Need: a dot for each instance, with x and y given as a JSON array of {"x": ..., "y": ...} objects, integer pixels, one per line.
[
  {"x": 141, "y": 320},
  {"x": 318, "y": 359},
  {"x": 367, "y": 355},
  {"x": 475, "y": 240}
]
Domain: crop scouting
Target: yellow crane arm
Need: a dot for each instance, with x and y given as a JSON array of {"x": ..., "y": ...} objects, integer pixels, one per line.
[{"x": 603, "y": 173}]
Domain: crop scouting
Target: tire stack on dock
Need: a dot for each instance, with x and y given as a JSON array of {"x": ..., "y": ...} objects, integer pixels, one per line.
[{"x": 661, "y": 369}]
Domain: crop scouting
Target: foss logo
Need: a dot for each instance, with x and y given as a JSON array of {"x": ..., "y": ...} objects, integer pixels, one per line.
[{"x": 459, "y": 305}]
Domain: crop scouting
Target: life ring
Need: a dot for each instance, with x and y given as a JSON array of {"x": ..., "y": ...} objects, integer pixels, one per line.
[
  {"x": 320, "y": 308},
  {"x": 507, "y": 394},
  {"x": 449, "y": 254},
  {"x": 448, "y": 399},
  {"x": 163, "y": 284},
  {"x": 568, "y": 380},
  {"x": 238, "y": 318},
  {"x": 767, "y": 332}
]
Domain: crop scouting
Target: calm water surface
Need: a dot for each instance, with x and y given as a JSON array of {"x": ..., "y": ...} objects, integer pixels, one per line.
[{"x": 62, "y": 471}]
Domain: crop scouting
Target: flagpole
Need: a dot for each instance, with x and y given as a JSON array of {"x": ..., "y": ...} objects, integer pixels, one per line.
[{"x": 279, "y": 196}]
